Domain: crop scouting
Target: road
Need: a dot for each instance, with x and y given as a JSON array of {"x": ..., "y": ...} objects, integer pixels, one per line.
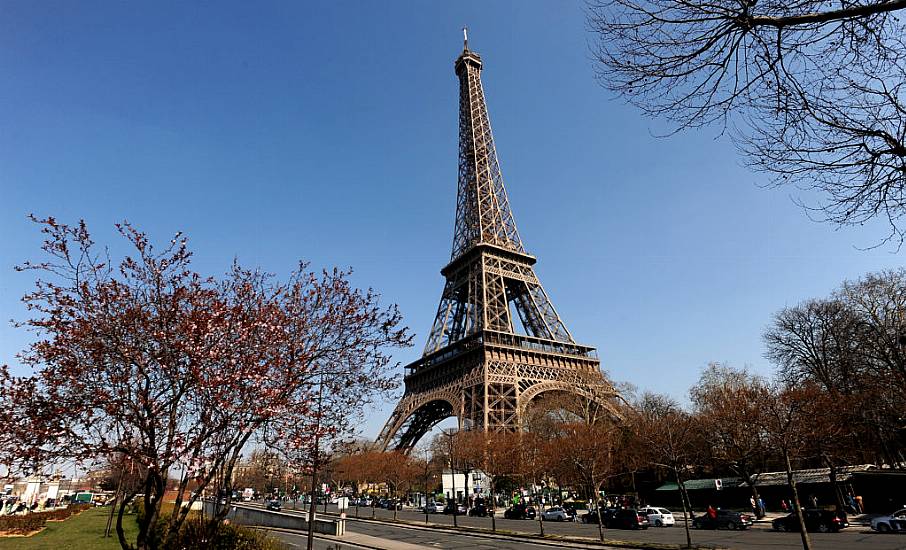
[{"x": 760, "y": 537}]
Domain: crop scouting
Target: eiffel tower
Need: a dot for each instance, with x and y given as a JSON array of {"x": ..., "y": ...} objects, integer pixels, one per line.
[{"x": 475, "y": 365}]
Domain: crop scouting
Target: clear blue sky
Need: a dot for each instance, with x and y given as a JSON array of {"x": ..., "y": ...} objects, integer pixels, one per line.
[{"x": 280, "y": 131}]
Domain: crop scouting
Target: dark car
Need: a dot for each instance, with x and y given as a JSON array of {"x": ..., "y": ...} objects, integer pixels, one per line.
[
  {"x": 460, "y": 509},
  {"x": 822, "y": 521},
  {"x": 726, "y": 519},
  {"x": 519, "y": 511},
  {"x": 626, "y": 518},
  {"x": 479, "y": 509},
  {"x": 592, "y": 515},
  {"x": 273, "y": 505},
  {"x": 618, "y": 518}
]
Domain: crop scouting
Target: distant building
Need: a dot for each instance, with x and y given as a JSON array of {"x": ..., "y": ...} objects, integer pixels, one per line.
[{"x": 473, "y": 482}]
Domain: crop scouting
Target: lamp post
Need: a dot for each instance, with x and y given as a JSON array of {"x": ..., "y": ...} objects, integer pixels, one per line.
[{"x": 426, "y": 486}]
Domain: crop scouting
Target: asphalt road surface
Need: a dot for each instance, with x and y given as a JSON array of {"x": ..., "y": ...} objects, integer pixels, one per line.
[{"x": 760, "y": 537}]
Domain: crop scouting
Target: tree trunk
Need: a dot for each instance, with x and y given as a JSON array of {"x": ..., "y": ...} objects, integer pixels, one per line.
[
  {"x": 116, "y": 496},
  {"x": 600, "y": 519},
  {"x": 154, "y": 492},
  {"x": 791, "y": 481},
  {"x": 313, "y": 505},
  {"x": 687, "y": 506},
  {"x": 120, "y": 534},
  {"x": 493, "y": 507},
  {"x": 838, "y": 493},
  {"x": 453, "y": 493},
  {"x": 759, "y": 512},
  {"x": 541, "y": 519},
  {"x": 393, "y": 501}
]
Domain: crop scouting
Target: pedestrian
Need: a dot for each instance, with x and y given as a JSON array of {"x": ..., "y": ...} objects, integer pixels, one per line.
[
  {"x": 761, "y": 509},
  {"x": 814, "y": 501},
  {"x": 754, "y": 505},
  {"x": 859, "y": 508},
  {"x": 712, "y": 512},
  {"x": 783, "y": 505}
]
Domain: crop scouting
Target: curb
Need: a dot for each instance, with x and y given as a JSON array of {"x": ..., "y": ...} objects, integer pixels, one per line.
[{"x": 553, "y": 540}]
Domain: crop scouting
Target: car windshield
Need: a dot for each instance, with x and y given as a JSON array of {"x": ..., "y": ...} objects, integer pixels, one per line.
[{"x": 663, "y": 510}]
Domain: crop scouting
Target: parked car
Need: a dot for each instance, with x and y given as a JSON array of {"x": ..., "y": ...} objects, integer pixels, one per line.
[
  {"x": 626, "y": 518},
  {"x": 659, "y": 517},
  {"x": 519, "y": 511},
  {"x": 273, "y": 505},
  {"x": 433, "y": 508},
  {"x": 822, "y": 521},
  {"x": 479, "y": 510},
  {"x": 607, "y": 516},
  {"x": 592, "y": 515},
  {"x": 726, "y": 519},
  {"x": 557, "y": 513},
  {"x": 894, "y": 523},
  {"x": 460, "y": 508}
]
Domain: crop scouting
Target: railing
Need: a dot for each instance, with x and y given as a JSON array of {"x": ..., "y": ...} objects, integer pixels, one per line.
[{"x": 517, "y": 341}]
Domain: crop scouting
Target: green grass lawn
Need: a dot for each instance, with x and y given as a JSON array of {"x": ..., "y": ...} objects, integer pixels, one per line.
[{"x": 82, "y": 532}]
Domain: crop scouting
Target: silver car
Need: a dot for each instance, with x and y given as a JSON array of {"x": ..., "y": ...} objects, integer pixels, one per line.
[
  {"x": 556, "y": 513},
  {"x": 894, "y": 523}
]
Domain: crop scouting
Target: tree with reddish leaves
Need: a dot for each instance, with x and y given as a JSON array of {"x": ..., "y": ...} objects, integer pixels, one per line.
[
  {"x": 669, "y": 438},
  {"x": 727, "y": 403},
  {"x": 150, "y": 360},
  {"x": 496, "y": 454}
]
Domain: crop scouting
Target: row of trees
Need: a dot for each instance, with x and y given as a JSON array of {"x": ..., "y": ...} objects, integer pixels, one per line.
[
  {"x": 838, "y": 397},
  {"x": 176, "y": 373}
]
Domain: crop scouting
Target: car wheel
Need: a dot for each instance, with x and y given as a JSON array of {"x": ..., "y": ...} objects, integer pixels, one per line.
[
  {"x": 823, "y": 528},
  {"x": 883, "y": 528},
  {"x": 658, "y": 523},
  {"x": 731, "y": 526}
]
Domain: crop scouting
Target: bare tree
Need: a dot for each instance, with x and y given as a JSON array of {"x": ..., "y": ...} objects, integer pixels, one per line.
[
  {"x": 814, "y": 90},
  {"x": 727, "y": 404},
  {"x": 852, "y": 344},
  {"x": 788, "y": 421},
  {"x": 589, "y": 451},
  {"x": 669, "y": 436}
]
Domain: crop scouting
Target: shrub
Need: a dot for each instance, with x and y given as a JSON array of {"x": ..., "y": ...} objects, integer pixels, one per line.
[
  {"x": 22, "y": 525},
  {"x": 196, "y": 534}
]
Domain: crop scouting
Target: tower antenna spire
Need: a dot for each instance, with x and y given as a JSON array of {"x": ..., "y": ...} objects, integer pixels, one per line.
[{"x": 465, "y": 38}]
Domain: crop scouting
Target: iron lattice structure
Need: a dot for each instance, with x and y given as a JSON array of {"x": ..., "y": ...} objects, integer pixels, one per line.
[{"x": 475, "y": 365}]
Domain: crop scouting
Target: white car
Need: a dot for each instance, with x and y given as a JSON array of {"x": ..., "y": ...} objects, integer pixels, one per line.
[
  {"x": 894, "y": 523},
  {"x": 658, "y": 517},
  {"x": 433, "y": 508},
  {"x": 556, "y": 513}
]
